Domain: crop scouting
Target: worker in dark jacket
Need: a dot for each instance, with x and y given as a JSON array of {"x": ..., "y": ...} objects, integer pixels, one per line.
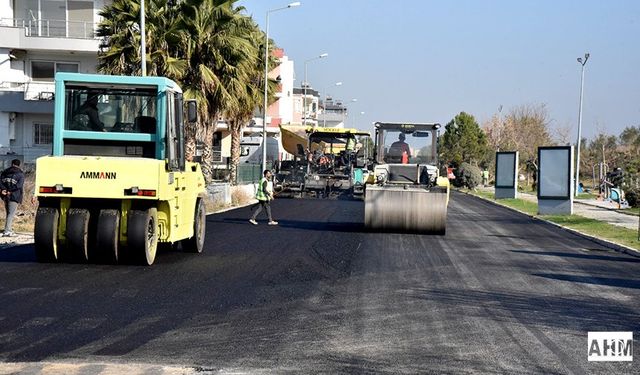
[
  {"x": 264, "y": 196},
  {"x": 11, "y": 185},
  {"x": 90, "y": 109}
]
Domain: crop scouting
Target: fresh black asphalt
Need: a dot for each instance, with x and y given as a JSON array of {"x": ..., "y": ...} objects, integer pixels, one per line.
[{"x": 499, "y": 293}]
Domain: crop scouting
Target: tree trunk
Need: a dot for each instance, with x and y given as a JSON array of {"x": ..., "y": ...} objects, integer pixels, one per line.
[
  {"x": 190, "y": 131},
  {"x": 205, "y": 136},
  {"x": 207, "y": 153},
  {"x": 236, "y": 134}
]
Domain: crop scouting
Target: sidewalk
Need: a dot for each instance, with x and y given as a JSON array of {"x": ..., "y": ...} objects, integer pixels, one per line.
[{"x": 590, "y": 208}]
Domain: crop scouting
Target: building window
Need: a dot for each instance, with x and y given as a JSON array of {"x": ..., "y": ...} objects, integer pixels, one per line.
[
  {"x": 45, "y": 70},
  {"x": 42, "y": 134},
  {"x": 217, "y": 147}
]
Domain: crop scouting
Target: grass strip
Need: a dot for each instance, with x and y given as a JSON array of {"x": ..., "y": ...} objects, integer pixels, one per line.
[
  {"x": 592, "y": 227},
  {"x": 598, "y": 229}
]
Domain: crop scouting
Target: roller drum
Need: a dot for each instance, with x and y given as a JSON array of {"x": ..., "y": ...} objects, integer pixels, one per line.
[{"x": 414, "y": 209}]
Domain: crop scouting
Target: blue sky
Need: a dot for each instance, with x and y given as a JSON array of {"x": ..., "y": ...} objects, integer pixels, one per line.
[{"x": 425, "y": 61}]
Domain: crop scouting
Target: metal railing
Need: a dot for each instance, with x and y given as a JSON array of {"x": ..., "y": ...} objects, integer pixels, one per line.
[
  {"x": 33, "y": 90},
  {"x": 52, "y": 28},
  {"x": 248, "y": 173}
]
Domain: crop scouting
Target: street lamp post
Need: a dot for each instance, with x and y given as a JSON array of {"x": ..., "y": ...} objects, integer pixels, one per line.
[
  {"x": 355, "y": 124},
  {"x": 143, "y": 43},
  {"x": 266, "y": 82},
  {"x": 326, "y": 95},
  {"x": 345, "y": 114},
  {"x": 306, "y": 83},
  {"x": 583, "y": 63}
]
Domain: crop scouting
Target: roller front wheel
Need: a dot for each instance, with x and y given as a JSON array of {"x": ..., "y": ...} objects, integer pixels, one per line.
[
  {"x": 142, "y": 235},
  {"x": 195, "y": 244}
]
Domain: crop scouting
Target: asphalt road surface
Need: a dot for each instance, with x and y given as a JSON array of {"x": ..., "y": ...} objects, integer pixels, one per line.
[{"x": 500, "y": 293}]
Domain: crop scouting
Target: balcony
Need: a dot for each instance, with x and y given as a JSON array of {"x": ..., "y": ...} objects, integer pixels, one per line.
[
  {"x": 49, "y": 35},
  {"x": 33, "y": 90},
  {"x": 31, "y": 97},
  {"x": 52, "y": 28}
]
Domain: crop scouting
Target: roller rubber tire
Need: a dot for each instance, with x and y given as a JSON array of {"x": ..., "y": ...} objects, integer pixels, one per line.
[
  {"x": 195, "y": 244},
  {"x": 45, "y": 234},
  {"x": 142, "y": 235},
  {"x": 108, "y": 235},
  {"x": 78, "y": 234}
]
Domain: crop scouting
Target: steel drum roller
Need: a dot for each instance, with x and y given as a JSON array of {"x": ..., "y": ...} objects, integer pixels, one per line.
[{"x": 414, "y": 209}]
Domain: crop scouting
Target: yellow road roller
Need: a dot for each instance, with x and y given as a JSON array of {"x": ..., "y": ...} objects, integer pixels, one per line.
[
  {"x": 117, "y": 183},
  {"x": 407, "y": 194}
]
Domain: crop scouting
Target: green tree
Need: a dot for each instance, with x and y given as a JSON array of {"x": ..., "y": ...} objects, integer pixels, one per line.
[
  {"x": 603, "y": 148},
  {"x": 463, "y": 141},
  {"x": 524, "y": 129},
  {"x": 209, "y": 47},
  {"x": 248, "y": 91},
  {"x": 222, "y": 53},
  {"x": 120, "y": 48},
  {"x": 630, "y": 140}
]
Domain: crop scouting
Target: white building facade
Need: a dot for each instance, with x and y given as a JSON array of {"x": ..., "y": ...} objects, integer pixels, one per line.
[{"x": 37, "y": 39}]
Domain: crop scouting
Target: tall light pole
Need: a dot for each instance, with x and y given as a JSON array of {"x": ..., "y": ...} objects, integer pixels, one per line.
[
  {"x": 306, "y": 83},
  {"x": 355, "y": 122},
  {"x": 143, "y": 42},
  {"x": 345, "y": 114},
  {"x": 326, "y": 95},
  {"x": 583, "y": 63},
  {"x": 266, "y": 82}
]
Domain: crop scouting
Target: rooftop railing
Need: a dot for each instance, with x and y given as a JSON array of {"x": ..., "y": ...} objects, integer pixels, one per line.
[{"x": 52, "y": 28}]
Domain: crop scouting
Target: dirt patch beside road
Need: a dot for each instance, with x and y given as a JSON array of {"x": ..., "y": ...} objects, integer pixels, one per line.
[{"x": 17, "y": 239}]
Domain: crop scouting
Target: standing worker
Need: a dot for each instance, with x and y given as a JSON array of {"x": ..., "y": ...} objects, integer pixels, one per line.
[
  {"x": 485, "y": 177},
  {"x": 11, "y": 185},
  {"x": 264, "y": 196}
]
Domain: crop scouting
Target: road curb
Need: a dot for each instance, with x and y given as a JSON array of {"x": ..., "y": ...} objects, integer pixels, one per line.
[
  {"x": 253, "y": 201},
  {"x": 608, "y": 244}
]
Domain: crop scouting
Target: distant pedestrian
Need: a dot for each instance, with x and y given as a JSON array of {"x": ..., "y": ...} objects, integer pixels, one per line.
[
  {"x": 264, "y": 196},
  {"x": 11, "y": 188},
  {"x": 485, "y": 177}
]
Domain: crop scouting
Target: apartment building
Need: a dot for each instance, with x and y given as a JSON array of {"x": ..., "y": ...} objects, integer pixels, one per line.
[
  {"x": 37, "y": 39},
  {"x": 279, "y": 112},
  {"x": 41, "y": 37}
]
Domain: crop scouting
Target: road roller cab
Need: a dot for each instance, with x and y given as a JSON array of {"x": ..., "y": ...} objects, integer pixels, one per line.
[
  {"x": 407, "y": 194},
  {"x": 117, "y": 183}
]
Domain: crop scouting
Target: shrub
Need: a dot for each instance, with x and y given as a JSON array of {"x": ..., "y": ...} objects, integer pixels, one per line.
[
  {"x": 632, "y": 196},
  {"x": 468, "y": 176}
]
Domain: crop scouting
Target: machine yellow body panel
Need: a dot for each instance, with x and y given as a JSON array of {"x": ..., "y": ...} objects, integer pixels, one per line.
[{"x": 112, "y": 178}]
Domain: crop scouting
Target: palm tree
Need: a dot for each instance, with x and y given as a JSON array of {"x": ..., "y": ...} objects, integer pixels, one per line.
[
  {"x": 120, "y": 30},
  {"x": 207, "y": 46},
  {"x": 221, "y": 54},
  {"x": 250, "y": 97}
]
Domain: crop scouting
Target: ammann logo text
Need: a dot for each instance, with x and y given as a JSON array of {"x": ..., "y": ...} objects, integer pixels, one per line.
[
  {"x": 610, "y": 346},
  {"x": 99, "y": 175}
]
